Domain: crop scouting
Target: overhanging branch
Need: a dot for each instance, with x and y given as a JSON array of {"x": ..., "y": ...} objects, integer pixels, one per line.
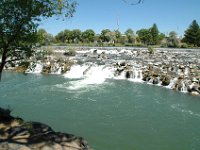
[{"x": 133, "y": 3}]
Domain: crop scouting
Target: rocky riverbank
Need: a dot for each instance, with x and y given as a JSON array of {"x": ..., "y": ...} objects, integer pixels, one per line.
[
  {"x": 16, "y": 134},
  {"x": 177, "y": 69}
]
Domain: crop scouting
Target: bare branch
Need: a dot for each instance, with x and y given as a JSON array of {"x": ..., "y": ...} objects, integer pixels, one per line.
[{"x": 131, "y": 3}]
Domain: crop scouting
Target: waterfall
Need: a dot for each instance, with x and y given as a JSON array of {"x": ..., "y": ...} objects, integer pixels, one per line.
[
  {"x": 184, "y": 87},
  {"x": 76, "y": 72},
  {"x": 137, "y": 75},
  {"x": 35, "y": 68}
]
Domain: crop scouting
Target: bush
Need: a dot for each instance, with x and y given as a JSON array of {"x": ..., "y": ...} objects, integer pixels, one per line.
[
  {"x": 184, "y": 45},
  {"x": 151, "y": 49}
]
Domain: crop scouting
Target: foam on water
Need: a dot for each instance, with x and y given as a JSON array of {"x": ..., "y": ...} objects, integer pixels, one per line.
[
  {"x": 37, "y": 69},
  {"x": 76, "y": 72},
  {"x": 88, "y": 75},
  {"x": 178, "y": 108},
  {"x": 97, "y": 74}
]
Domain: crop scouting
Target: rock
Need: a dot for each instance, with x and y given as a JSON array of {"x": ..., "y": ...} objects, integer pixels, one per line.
[
  {"x": 35, "y": 135},
  {"x": 123, "y": 64},
  {"x": 46, "y": 69},
  {"x": 181, "y": 77},
  {"x": 178, "y": 86},
  {"x": 145, "y": 76},
  {"x": 21, "y": 69},
  {"x": 70, "y": 53},
  {"x": 181, "y": 67},
  {"x": 194, "y": 87},
  {"x": 155, "y": 81},
  {"x": 194, "y": 80},
  {"x": 194, "y": 93},
  {"x": 165, "y": 80},
  {"x": 155, "y": 74},
  {"x": 119, "y": 71},
  {"x": 95, "y": 51},
  {"x": 129, "y": 74}
]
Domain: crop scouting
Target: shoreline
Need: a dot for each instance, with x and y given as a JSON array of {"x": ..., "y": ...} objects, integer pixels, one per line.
[
  {"x": 19, "y": 134},
  {"x": 174, "y": 69}
]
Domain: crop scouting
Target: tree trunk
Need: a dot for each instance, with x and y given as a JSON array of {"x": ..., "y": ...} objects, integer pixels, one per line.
[
  {"x": 1, "y": 69},
  {"x": 3, "y": 62}
]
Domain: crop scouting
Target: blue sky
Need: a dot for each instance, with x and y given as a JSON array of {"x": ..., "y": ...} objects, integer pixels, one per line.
[{"x": 169, "y": 15}]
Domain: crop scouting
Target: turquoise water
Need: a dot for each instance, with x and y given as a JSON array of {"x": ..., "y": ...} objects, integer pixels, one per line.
[{"x": 115, "y": 115}]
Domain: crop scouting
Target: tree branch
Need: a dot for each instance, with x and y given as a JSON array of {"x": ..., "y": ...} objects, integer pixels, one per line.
[{"x": 136, "y": 3}]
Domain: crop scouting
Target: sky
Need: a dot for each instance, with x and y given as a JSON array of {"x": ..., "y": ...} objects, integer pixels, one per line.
[{"x": 169, "y": 15}]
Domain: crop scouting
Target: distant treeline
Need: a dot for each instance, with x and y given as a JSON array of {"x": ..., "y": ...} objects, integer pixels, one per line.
[{"x": 142, "y": 37}]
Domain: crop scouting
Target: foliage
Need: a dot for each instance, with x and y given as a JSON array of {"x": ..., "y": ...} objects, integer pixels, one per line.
[
  {"x": 130, "y": 35},
  {"x": 60, "y": 37},
  {"x": 75, "y": 36},
  {"x": 154, "y": 34},
  {"x": 44, "y": 38},
  {"x": 88, "y": 36},
  {"x": 172, "y": 40},
  {"x": 117, "y": 35},
  {"x": 18, "y": 23},
  {"x": 145, "y": 36},
  {"x": 105, "y": 35},
  {"x": 150, "y": 36},
  {"x": 151, "y": 49},
  {"x": 192, "y": 34}
]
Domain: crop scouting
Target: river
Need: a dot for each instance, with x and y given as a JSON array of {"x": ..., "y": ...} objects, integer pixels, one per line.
[{"x": 111, "y": 115}]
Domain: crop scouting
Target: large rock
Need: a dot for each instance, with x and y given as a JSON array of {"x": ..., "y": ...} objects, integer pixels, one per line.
[
  {"x": 155, "y": 80},
  {"x": 16, "y": 134},
  {"x": 165, "y": 80},
  {"x": 129, "y": 74}
]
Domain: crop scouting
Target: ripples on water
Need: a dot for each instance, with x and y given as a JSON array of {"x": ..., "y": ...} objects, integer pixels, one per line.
[{"x": 111, "y": 114}]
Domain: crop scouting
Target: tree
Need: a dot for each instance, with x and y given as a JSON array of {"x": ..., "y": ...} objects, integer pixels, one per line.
[
  {"x": 60, "y": 37},
  {"x": 172, "y": 40},
  {"x": 76, "y": 35},
  {"x": 133, "y": 3},
  {"x": 117, "y": 35},
  {"x": 114, "y": 37},
  {"x": 88, "y": 36},
  {"x": 192, "y": 34},
  {"x": 105, "y": 35},
  {"x": 44, "y": 38},
  {"x": 145, "y": 36},
  {"x": 19, "y": 20},
  {"x": 66, "y": 36},
  {"x": 155, "y": 34},
  {"x": 130, "y": 35}
]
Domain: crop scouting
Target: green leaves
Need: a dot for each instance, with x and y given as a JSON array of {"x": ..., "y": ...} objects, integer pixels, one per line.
[
  {"x": 192, "y": 34},
  {"x": 19, "y": 20},
  {"x": 88, "y": 36}
]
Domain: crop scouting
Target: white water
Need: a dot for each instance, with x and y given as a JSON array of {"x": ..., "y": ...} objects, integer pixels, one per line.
[
  {"x": 180, "y": 108},
  {"x": 37, "y": 69},
  {"x": 76, "y": 72},
  {"x": 95, "y": 75}
]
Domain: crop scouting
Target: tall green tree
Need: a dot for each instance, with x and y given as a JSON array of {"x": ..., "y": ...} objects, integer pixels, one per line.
[
  {"x": 61, "y": 37},
  {"x": 88, "y": 36},
  {"x": 145, "y": 36},
  {"x": 76, "y": 35},
  {"x": 44, "y": 38},
  {"x": 67, "y": 36},
  {"x": 117, "y": 35},
  {"x": 155, "y": 34},
  {"x": 192, "y": 34},
  {"x": 130, "y": 35},
  {"x": 172, "y": 40},
  {"x": 18, "y": 24},
  {"x": 105, "y": 35}
]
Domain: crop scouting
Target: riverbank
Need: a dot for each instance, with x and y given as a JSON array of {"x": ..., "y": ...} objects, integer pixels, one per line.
[
  {"x": 15, "y": 133},
  {"x": 177, "y": 69}
]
